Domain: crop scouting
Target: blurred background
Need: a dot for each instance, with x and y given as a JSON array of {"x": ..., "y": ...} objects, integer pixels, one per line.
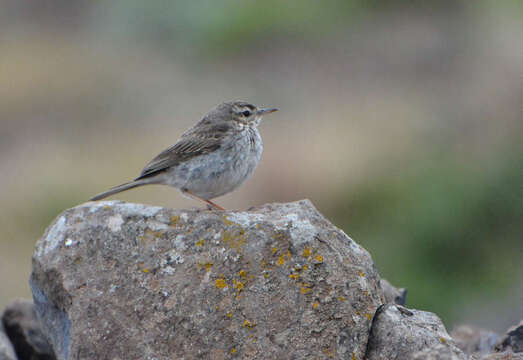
[{"x": 401, "y": 120}]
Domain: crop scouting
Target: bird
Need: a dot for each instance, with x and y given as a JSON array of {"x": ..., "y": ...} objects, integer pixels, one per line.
[{"x": 211, "y": 159}]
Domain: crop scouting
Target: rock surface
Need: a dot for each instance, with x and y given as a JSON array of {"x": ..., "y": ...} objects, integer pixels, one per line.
[
  {"x": 114, "y": 280},
  {"x": 474, "y": 341},
  {"x": 513, "y": 339},
  {"x": 401, "y": 333},
  {"x": 25, "y": 333},
  {"x": 6, "y": 348}
]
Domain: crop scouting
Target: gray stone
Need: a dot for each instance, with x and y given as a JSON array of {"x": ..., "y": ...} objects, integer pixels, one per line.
[
  {"x": 392, "y": 294},
  {"x": 24, "y": 331},
  {"x": 508, "y": 355},
  {"x": 475, "y": 341},
  {"x": 401, "y": 333},
  {"x": 513, "y": 339},
  {"x": 6, "y": 348},
  {"x": 114, "y": 280}
]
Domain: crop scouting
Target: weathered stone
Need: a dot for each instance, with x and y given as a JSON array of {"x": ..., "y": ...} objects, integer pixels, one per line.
[
  {"x": 476, "y": 341},
  {"x": 113, "y": 280},
  {"x": 401, "y": 333},
  {"x": 6, "y": 348},
  {"x": 392, "y": 294},
  {"x": 513, "y": 339},
  {"x": 436, "y": 352},
  {"x": 24, "y": 331},
  {"x": 503, "y": 356}
]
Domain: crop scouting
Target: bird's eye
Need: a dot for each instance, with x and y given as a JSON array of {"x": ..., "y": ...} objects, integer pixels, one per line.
[{"x": 246, "y": 113}]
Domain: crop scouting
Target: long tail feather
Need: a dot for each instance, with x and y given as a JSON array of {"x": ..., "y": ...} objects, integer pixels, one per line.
[{"x": 119, "y": 188}]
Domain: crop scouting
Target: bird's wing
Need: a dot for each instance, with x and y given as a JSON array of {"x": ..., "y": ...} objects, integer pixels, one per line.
[{"x": 197, "y": 141}]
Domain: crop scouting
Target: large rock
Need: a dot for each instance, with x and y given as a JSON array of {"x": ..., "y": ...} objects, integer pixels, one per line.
[
  {"x": 513, "y": 339},
  {"x": 24, "y": 331},
  {"x": 401, "y": 333},
  {"x": 114, "y": 280},
  {"x": 475, "y": 341},
  {"x": 6, "y": 348}
]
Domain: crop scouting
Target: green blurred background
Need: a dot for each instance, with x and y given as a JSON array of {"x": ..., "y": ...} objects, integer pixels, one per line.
[{"x": 401, "y": 120}]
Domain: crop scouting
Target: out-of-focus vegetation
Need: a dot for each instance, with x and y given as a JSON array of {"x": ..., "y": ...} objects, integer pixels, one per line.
[{"x": 402, "y": 122}]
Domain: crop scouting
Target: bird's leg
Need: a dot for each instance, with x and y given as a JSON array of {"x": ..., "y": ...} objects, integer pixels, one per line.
[{"x": 208, "y": 202}]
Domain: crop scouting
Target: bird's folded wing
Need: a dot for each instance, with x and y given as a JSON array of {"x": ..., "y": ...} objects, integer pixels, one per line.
[{"x": 193, "y": 143}]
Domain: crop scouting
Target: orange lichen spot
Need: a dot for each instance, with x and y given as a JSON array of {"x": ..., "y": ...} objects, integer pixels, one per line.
[
  {"x": 328, "y": 351},
  {"x": 233, "y": 351},
  {"x": 281, "y": 260},
  {"x": 294, "y": 276},
  {"x": 174, "y": 220},
  {"x": 208, "y": 266},
  {"x": 306, "y": 252},
  {"x": 360, "y": 273},
  {"x": 236, "y": 242},
  {"x": 242, "y": 274},
  {"x": 368, "y": 316},
  {"x": 274, "y": 250},
  {"x": 266, "y": 275},
  {"x": 315, "y": 305},
  {"x": 239, "y": 286},
  {"x": 107, "y": 207},
  {"x": 220, "y": 283},
  {"x": 443, "y": 340},
  {"x": 257, "y": 226},
  {"x": 319, "y": 258},
  {"x": 200, "y": 243},
  {"x": 341, "y": 298},
  {"x": 353, "y": 356},
  {"x": 358, "y": 312},
  {"x": 229, "y": 314},
  {"x": 249, "y": 324},
  {"x": 305, "y": 267}
]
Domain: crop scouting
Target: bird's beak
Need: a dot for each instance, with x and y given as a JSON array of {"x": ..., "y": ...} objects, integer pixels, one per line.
[{"x": 266, "y": 111}]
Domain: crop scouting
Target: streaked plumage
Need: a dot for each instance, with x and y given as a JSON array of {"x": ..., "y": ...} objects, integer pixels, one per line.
[{"x": 212, "y": 158}]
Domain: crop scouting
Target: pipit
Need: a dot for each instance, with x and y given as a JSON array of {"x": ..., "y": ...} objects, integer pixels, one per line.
[{"x": 211, "y": 159}]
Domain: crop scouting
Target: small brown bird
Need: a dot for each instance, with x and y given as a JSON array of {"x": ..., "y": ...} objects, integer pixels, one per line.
[{"x": 211, "y": 159}]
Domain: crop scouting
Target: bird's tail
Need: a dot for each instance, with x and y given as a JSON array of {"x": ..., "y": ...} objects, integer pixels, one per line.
[{"x": 119, "y": 188}]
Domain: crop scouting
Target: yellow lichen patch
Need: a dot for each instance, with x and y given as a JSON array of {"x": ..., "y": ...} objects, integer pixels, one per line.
[
  {"x": 353, "y": 356},
  {"x": 341, "y": 298},
  {"x": 281, "y": 260},
  {"x": 358, "y": 312},
  {"x": 288, "y": 255},
  {"x": 200, "y": 243},
  {"x": 368, "y": 316},
  {"x": 266, "y": 275},
  {"x": 274, "y": 250},
  {"x": 145, "y": 270},
  {"x": 263, "y": 263},
  {"x": 366, "y": 292},
  {"x": 306, "y": 252},
  {"x": 360, "y": 273},
  {"x": 217, "y": 308},
  {"x": 236, "y": 242},
  {"x": 319, "y": 258},
  {"x": 242, "y": 274},
  {"x": 294, "y": 276},
  {"x": 233, "y": 351},
  {"x": 228, "y": 222},
  {"x": 239, "y": 286},
  {"x": 443, "y": 341},
  {"x": 315, "y": 305},
  {"x": 305, "y": 267},
  {"x": 107, "y": 207},
  {"x": 208, "y": 266},
  {"x": 220, "y": 283},
  {"x": 174, "y": 220},
  {"x": 229, "y": 314},
  {"x": 304, "y": 290},
  {"x": 249, "y": 324},
  {"x": 257, "y": 226}
]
